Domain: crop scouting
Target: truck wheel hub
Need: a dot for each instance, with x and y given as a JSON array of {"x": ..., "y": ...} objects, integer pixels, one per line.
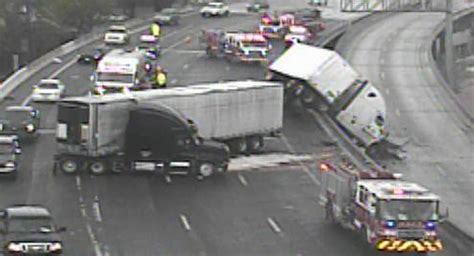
[
  {"x": 69, "y": 166},
  {"x": 97, "y": 168},
  {"x": 206, "y": 169}
]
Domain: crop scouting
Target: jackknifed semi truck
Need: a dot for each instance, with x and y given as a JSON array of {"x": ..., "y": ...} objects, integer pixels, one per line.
[{"x": 182, "y": 129}]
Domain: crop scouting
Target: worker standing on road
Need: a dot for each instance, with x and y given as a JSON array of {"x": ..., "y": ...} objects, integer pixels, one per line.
[
  {"x": 161, "y": 77},
  {"x": 155, "y": 29}
]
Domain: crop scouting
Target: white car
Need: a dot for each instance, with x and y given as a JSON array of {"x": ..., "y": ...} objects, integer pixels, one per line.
[
  {"x": 48, "y": 90},
  {"x": 214, "y": 9},
  {"x": 116, "y": 35}
]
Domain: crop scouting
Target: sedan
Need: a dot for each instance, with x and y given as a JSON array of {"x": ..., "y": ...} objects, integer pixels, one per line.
[
  {"x": 48, "y": 90},
  {"x": 167, "y": 16},
  {"x": 92, "y": 57}
]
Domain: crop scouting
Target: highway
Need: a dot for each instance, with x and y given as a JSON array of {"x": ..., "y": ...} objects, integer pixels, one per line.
[{"x": 272, "y": 211}]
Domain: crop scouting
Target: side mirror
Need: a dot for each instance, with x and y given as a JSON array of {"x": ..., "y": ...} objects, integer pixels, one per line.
[
  {"x": 62, "y": 229},
  {"x": 444, "y": 217},
  {"x": 17, "y": 151}
]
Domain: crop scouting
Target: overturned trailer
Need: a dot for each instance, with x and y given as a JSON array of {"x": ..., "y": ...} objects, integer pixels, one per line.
[{"x": 322, "y": 79}]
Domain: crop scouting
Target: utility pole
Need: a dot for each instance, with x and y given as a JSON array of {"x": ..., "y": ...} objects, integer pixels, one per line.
[{"x": 448, "y": 44}]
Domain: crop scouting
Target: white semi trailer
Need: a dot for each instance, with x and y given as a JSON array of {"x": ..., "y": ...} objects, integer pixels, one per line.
[{"x": 166, "y": 128}]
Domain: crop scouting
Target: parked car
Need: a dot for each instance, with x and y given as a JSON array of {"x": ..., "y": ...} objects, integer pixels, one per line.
[
  {"x": 29, "y": 230},
  {"x": 117, "y": 35},
  {"x": 22, "y": 121},
  {"x": 48, "y": 90},
  {"x": 92, "y": 57},
  {"x": 167, "y": 16},
  {"x": 9, "y": 155},
  {"x": 318, "y": 2},
  {"x": 258, "y": 5},
  {"x": 214, "y": 9}
]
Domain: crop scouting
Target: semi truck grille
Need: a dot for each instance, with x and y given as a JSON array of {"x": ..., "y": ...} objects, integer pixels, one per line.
[{"x": 411, "y": 234}]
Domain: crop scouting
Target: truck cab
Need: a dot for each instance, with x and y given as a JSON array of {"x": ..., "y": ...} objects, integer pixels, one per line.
[
  {"x": 22, "y": 121},
  {"x": 159, "y": 138},
  {"x": 29, "y": 230}
]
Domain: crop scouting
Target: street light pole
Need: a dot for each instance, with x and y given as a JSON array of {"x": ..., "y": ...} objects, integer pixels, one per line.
[{"x": 449, "y": 48}]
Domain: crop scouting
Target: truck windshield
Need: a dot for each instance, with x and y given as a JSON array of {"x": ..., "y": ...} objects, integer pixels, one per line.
[
  {"x": 115, "y": 78},
  {"x": 17, "y": 117},
  {"x": 42, "y": 225},
  {"x": 408, "y": 210},
  {"x": 6, "y": 148},
  {"x": 254, "y": 44}
]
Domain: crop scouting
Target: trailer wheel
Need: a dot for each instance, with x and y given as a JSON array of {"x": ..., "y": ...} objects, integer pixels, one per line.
[
  {"x": 238, "y": 146},
  {"x": 255, "y": 144},
  {"x": 98, "y": 167},
  {"x": 69, "y": 166},
  {"x": 206, "y": 169},
  {"x": 308, "y": 98}
]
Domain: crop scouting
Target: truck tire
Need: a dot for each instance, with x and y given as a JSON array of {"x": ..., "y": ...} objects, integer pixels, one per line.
[
  {"x": 308, "y": 98},
  {"x": 255, "y": 144},
  {"x": 98, "y": 167},
  {"x": 68, "y": 166},
  {"x": 238, "y": 146},
  {"x": 206, "y": 169}
]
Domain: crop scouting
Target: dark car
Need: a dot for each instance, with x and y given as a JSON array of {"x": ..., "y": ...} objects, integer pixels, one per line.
[
  {"x": 9, "y": 155},
  {"x": 258, "y": 5},
  {"x": 22, "y": 121},
  {"x": 92, "y": 57},
  {"x": 29, "y": 230},
  {"x": 167, "y": 16}
]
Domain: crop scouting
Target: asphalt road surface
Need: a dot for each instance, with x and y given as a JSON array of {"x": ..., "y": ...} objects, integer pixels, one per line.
[{"x": 251, "y": 212}]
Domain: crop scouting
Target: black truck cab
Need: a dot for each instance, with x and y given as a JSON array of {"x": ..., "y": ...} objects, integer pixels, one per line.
[{"x": 160, "y": 138}]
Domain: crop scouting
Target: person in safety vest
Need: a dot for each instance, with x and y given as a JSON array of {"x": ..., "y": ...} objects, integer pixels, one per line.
[
  {"x": 161, "y": 77},
  {"x": 155, "y": 29}
]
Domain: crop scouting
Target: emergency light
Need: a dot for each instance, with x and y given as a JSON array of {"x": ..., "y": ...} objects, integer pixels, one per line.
[
  {"x": 323, "y": 167},
  {"x": 430, "y": 225},
  {"x": 390, "y": 224}
]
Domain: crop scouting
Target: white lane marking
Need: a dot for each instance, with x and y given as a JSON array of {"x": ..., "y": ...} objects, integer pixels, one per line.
[
  {"x": 273, "y": 225},
  {"x": 305, "y": 169},
  {"x": 242, "y": 180},
  {"x": 78, "y": 183},
  {"x": 382, "y": 75},
  {"x": 96, "y": 207},
  {"x": 92, "y": 237},
  {"x": 441, "y": 170},
  {"x": 387, "y": 91},
  {"x": 168, "y": 179},
  {"x": 174, "y": 81},
  {"x": 190, "y": 51},
  {"x": 397, "y": 112},
  {"x": 227, "y": 68},
  {"x": 185, "y": 222},
  {"x": 26, "y": 101},
  {"x": 171, "y": 47},
  {"x": 186, "y": 66}
]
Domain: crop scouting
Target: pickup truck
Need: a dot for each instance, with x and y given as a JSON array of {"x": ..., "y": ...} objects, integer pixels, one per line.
[{"x": 214, "y": 9}]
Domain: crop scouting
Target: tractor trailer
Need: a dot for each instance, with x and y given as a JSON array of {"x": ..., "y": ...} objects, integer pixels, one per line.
[{"x": 183, "y": 129}]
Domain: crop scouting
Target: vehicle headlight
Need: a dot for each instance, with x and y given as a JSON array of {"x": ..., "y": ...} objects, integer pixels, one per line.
[
  {"x": 14, "y": 247},
  {"x": 54, "y": 247},
  {"x": 10, "y": 164},
  {"x": 30, "y": 128}
]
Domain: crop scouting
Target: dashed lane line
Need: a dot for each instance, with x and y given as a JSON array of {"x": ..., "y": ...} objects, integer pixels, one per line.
[
  {"x": 242, "y": 180},
  {"x": 274, "y": 226},
  {"x": 168, "y": 179},
  {"x": 185, "y": 222}
]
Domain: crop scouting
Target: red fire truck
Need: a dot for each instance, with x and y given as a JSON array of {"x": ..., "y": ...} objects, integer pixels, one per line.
[
  {"x": 274, "y": 27},
  {"x": 390, "y": 214},
  {"x": 243, "y": 46}
]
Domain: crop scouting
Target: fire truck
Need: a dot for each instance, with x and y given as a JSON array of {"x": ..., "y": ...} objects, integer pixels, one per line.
[
  {"x": 390, "y": 214},
  {"x": 274, "y": 27},
  {"x": 243, "y": 46}
]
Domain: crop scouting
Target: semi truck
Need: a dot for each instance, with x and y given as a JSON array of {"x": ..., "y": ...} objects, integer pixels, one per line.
[
  {"x": 321, "y": 79},
  {"x": 182, "y": 129},
  {"x": 390, "y": 214}
]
